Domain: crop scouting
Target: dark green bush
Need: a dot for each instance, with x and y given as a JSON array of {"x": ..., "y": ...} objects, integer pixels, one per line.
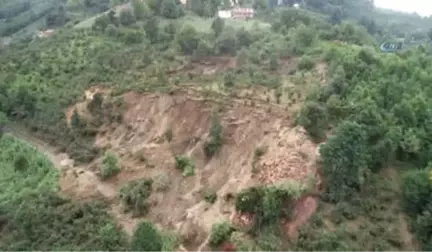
[
  {"x": 344, "y": 158},
  {"x": 306, "y": 63},
  {"x": 416, "y": 191},
  {"x": 229, "y": 79},
  {"x": 168, "y": 134},
  {"x": 21, "y": 163},
  {"x": 185, "y": 165},
  {"x": 210, "y": 197},
  {"x": 219, "y": 233},
  {"x": 134, "y": 194},
  {"x": 109, "y": 167},
  {"x": 213, "y": 146},
  {"x": 146, "y": 238},
  {"x": 313, "y": 117}
]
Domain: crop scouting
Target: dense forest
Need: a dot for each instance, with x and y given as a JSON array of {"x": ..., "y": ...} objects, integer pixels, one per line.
[{"x": 372, "y": 114}]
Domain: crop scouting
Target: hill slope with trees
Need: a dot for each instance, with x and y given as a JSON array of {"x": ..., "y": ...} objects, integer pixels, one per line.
[{"x": 370, "y": 112}]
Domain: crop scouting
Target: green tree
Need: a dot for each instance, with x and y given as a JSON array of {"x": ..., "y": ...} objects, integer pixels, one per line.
[
  {"x": 127, "y": 18},
  {"x": 244, "y": 37},
  {"x": 146, "y": 238},
  {"x": 218, "y": 26},
  {"x": 214, "y": 145},
  {"x": 416, "y": 191},
  {"x": 204, "y": 48},
  {"x": 274, "y": 62},
  {"x": 187, "y": 39},
  {"x": 313, "y": 117},
  {"x": 109, "y": 167},
  {"x": 151, "y": 28},
  {"x": 344, "y": 161},
  {"x": 242, "y": 57},
  {"x": 75, "y": 120},
  {"x": 260, "y": 5},
  {"x": 21, "y": 163},
  {"x": 134, "y": 194},
  {"x": 140, "y": 9},
  {"x": 226, "y": 43},
  {"x": 219, "y": 233},
  {"x": 430, "y": 34},
  {"x": 171, "y": 9}
]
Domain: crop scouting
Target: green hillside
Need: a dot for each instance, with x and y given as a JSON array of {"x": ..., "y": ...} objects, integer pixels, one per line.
[{"x": 370, "y": 112}]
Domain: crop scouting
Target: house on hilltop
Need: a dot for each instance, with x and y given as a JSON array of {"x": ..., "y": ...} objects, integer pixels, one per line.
[
  {"x": 237, "y": 13},
  {"x": 45, "y": 34}
]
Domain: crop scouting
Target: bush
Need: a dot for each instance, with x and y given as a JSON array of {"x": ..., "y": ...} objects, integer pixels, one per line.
[
  {"x": 214, "y": 145},
  {"x": 21, "y": 163},
  {"x": 219, "y": 233},
  {"x": 168, "y": 134},
  {"x": 313, "y": 117},
  {"x": 134, "y": 194},
  {"x": 229, "y": 79},
  {"x": 146, "y": 238},
  {"x": 127, "y": 18},
  {"x": 306, "y": 63},
  {"x": 344, "y": 159},
  {"x": 109, "y": 166},
  {"x": 161, "y": 182},
  {"x": 416, "y": 191},
  {"x": 187, "y": 39},
  {"x": 210, "y": 197},
  {"x": 259, "y": 152},
  {"x": 268, "y": 204},
  {"x": 185, "y": 165},
  {"x": 204, "y": 48},
  {"x": 274, "y": 62},
  {"x": 249, "y": 200}
]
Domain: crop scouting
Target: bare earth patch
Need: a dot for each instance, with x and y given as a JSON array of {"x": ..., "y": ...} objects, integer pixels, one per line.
[{"x": 144, "y": 151}]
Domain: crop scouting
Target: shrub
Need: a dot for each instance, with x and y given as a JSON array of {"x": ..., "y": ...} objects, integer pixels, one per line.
[
  {"x": 161, "y": 182},
  {"x": 127, "y": 18},
  {"x": 134, "y": 194},
  {"x": 267, "y": 203},
  {"x": 21, "y": 163},
  {"x": 214, "y": 145},
  {"x": 185, "y": 165},
  {"x": 344, "y": 159},
  {"x": 259, "y": 152},
  {"x": 313, "y": 117},
  {"x": 187, "y": 39},
  {"x": 109, "y": 167},
  {"x": 210, "y": 197},
  {"x": 229, "y": 79},
  {"x": 274, "y": 62},
  {"x": 249, "y": 200},
  {"x": 416, "y": 191},
  {"x": 306, "y": 63},
  {"x": 146, "y": 238},
  {"x": 219, "y": 233},
  {"x": 242, "y": 242},
  {"x": 242, "y": 57},
  {"x": 204, "y": 48},
  {"x": 168, "y": 134}
]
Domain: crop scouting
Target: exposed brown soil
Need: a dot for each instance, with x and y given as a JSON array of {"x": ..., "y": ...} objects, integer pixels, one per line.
[{"x": 144, "y": 152}]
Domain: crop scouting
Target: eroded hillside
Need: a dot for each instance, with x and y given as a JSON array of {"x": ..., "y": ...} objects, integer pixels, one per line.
[{"x": 177, "y": 203}]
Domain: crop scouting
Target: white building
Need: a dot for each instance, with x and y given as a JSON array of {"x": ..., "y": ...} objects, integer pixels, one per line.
[{"x": 224, "y": 14}]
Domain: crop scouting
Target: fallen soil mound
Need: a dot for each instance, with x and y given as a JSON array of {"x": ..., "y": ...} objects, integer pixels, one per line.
[{"x": 158, "y": 127}]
